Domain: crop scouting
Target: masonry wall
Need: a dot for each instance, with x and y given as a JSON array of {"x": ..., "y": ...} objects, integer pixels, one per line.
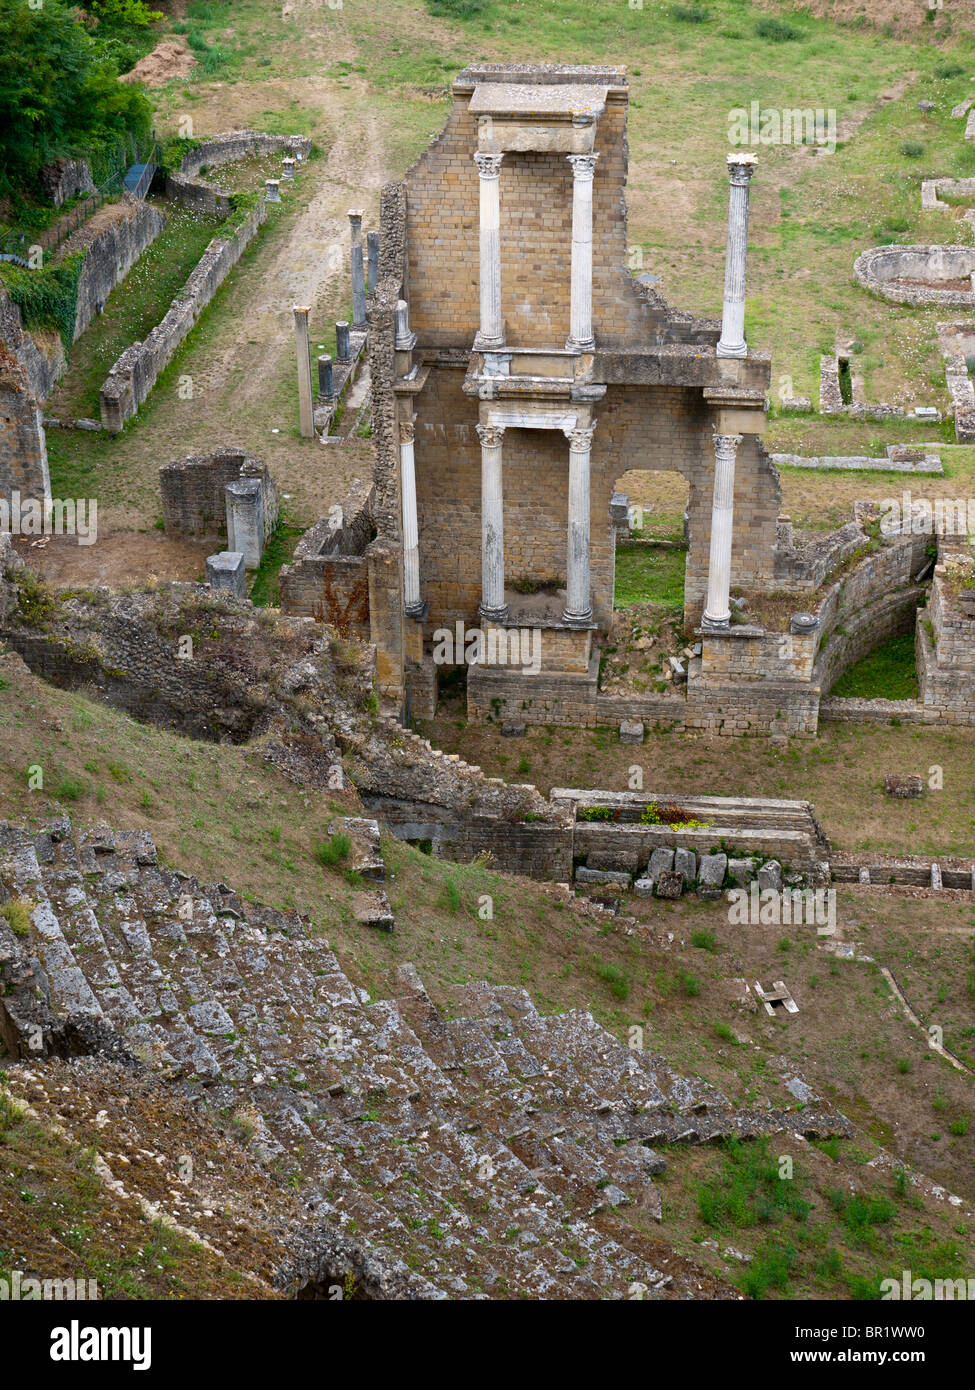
[
  {"x": 134, "y": 373},
  {"x": 23, "y": 449},
  {"x": 110, "y": 253},
  {"x": 192, "y": 491}
]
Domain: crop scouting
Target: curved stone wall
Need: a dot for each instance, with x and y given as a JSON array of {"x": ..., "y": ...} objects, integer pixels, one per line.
[{"x": 890, "y": 271}]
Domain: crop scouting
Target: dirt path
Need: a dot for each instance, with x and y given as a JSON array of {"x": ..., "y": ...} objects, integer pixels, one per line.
[{"x": 120, "y": 557}]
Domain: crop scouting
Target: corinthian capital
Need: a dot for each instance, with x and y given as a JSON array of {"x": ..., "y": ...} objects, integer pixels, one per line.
[
  {"x": 407, "y": 431},
  {"x": 491, "y": 436},
  {"x": 740, "y": 169},
  {"x": 726, "y": 445},
  {"x": 583, "y": 165},
  {"x": 488, "y": 165},
  {"x": 580, "y": 440}
]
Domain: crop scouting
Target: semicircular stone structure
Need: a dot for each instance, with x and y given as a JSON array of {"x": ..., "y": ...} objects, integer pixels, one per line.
[{"x": 918, "y": 274}]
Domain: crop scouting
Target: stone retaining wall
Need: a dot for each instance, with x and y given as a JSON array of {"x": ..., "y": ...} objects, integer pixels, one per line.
[
  {"x": 110, "y": 253},
  {"x": 202, "y": 196},
  {"x": 193, "y": 496},
  {"x": 134, "y": 373}
]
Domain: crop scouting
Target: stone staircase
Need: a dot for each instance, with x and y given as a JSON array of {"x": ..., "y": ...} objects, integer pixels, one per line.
[{"x": 488, "y": 1154}]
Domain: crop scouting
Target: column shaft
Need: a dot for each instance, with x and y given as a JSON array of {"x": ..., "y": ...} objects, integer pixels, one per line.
[
  {"x": 412, "y": 602},
  {"x": 492, "y": 604},
  {"x": 717, "y": 611},
  {"x": 732, "y": 342},
  {"x": 580, "y": 312},
  {"x": 491, "y": 333},
  {"x": 305, "y": 411},
  {"x": 358, "y": 271},
  {"x": 578, "y": 607}
]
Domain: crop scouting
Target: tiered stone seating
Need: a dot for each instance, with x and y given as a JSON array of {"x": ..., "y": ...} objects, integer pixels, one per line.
[{"x": 484, "y": 1155}]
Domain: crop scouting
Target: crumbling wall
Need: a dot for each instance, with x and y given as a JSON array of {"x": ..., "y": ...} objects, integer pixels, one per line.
[
  {"x": 203, "y": 196},
  {"x": 23, "y": 447},
  {"x": 192, "y": 491},
  {"x": 63, "y": 178},
  {"x": 328, "y": 578},
  {"x": 134, "y": 373},
  {"x": 110, "y": 253}
]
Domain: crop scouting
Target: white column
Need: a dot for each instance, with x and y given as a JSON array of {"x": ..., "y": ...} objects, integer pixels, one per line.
[
  {"x": 412, "y": 603},
  {"x": 492, "y": 525},
  {"x": 732, "y": 342},
  {"x": 578, "y": 608},
  {"x": 580, "y": 312},
  {"x": 358, "y": 271},
  {"x": 305, "y": 413},
  {"x": 717, "y": 611},
  {"x": 491, "y": 334}
]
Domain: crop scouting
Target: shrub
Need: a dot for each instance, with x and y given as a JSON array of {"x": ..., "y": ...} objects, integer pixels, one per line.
[
  {"x": 958, "y": 1127},
  {"x": 70, "y": 789},
  {"x": 704, "y": 939},
  {"x": 777, "y": 30},
  {"x": 332, "y": 851},
  {"x": 457, "y": 9},
  {"x": 911, "y": 149},
  {"x": 450, "y": 897},
  {"x": 689, "y": 983},
  {"x": 689, "y": 14},
  {"x": 16, "y": 913},
  {"x": 619, "y": 985}
]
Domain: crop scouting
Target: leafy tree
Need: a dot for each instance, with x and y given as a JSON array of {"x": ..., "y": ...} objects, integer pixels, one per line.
[
  {"x": 122, "y": 12},
  {"x": 59, "y": 93}
]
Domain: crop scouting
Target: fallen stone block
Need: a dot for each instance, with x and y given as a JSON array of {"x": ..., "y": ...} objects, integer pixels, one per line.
[
  {"x": 513, "y": 728},
  {"x": 643, "y": 888},
  {"x": 907, "y": 787},
  {"x": 685, "y": 862},
  {"x": 670, "y": 884},
  {"x": 661, "y": 859},
  {"x": 372, "y": 909},
  {"x": 710, "y": 875},
  {"x": 631, "y": 731},
  {"x": 770, "y": 876},
  {"x": 741, "y": 870},
  {"x": 226, "y": 571},
  {"x": 584, "y": 875}
]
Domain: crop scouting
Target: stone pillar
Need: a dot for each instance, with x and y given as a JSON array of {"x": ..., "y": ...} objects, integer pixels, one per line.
[
  {"x": 578, "y": 608},
  {"x": 412, "y": 603},
  {"x": 358, "y": 272},
  {"x": 372, "y": 250},
  {"x": 245, "y": 519},
  {"x": 580, "y": 313},
  {"x": 326, "y": 386},
  {"x": 272, "y": 190},
  {"x": 732, "y": 342},
  {"x": 287, "y": 167},
  {"x": 492, "y": 605},
  {"x": 305, "y": 413},
  {"x": 717, "y": 611},
  {"x": 343, "y": 347},
  {"x": 226, "y": 571},
  {"x": 491, "y": 333},
  {"x": 405, "y": 340}
]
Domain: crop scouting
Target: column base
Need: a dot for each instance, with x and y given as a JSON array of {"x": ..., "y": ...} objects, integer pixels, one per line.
[
  {"x": 577, "y": 619},
  {"x": 732, "y": 349},
  {"x": 576, "y": 345},
  {"x": 485, "y": 343},
  {"x": 493, "y": 615},
  {"x": 710, "y": 624}
]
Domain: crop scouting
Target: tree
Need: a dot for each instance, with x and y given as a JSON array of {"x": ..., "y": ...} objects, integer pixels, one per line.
[{"x": 59, "y": 92}]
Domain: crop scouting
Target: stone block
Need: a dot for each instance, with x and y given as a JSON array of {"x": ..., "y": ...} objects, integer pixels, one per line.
[
  {"x": 245, "y": 519},
  {"x": 685, "y": 862},
  {"x": 372, "y": 909},
  {"x": 710, "y": 875},
  {"x": 226, "y": 571},
  {"x": 631, "y": 731},
  {"x": 584, "y": 875},
  {"x": 643, "y": 888},
  {"x": 770, "y": 876},
  {"x": 906, "y": 787},
  {"x": 513, "y": 728},
  {"x": 741, "y": 870},
  {"x": 661, "y": 861},
  {"x": 670, "y": 884}
]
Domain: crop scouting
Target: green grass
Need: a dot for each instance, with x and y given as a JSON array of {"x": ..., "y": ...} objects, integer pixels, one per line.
[
  {"x": 279, "y": 550},
  {"x": 133, "y": 308},
  {"x": 646, "y": 574},
  {"x": 333, "y": 850},
  {"x": 889, "y": 673}
]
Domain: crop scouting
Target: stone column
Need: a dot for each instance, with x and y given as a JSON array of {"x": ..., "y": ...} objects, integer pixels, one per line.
[
  {"x": 272, "y": 190},
  {"x": 732, "y": 342},
  {"x": 580, "y": 313},
  {"x": 492, "y": 605},
  {"x": 372, "y": 255},
  {"x": 412, "y": 603},
  {"x": 305, "y": 413},
  {"x": 578, "y": 608},
  {"x": 326, "y": 388},
  {"x": 358, "y": 271},
  {"x": 717, "y": 612},
  {"x": 405, "y": 340},
  {"x": 491, "y": 333},
  {"x": 343, "y": 347}
]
